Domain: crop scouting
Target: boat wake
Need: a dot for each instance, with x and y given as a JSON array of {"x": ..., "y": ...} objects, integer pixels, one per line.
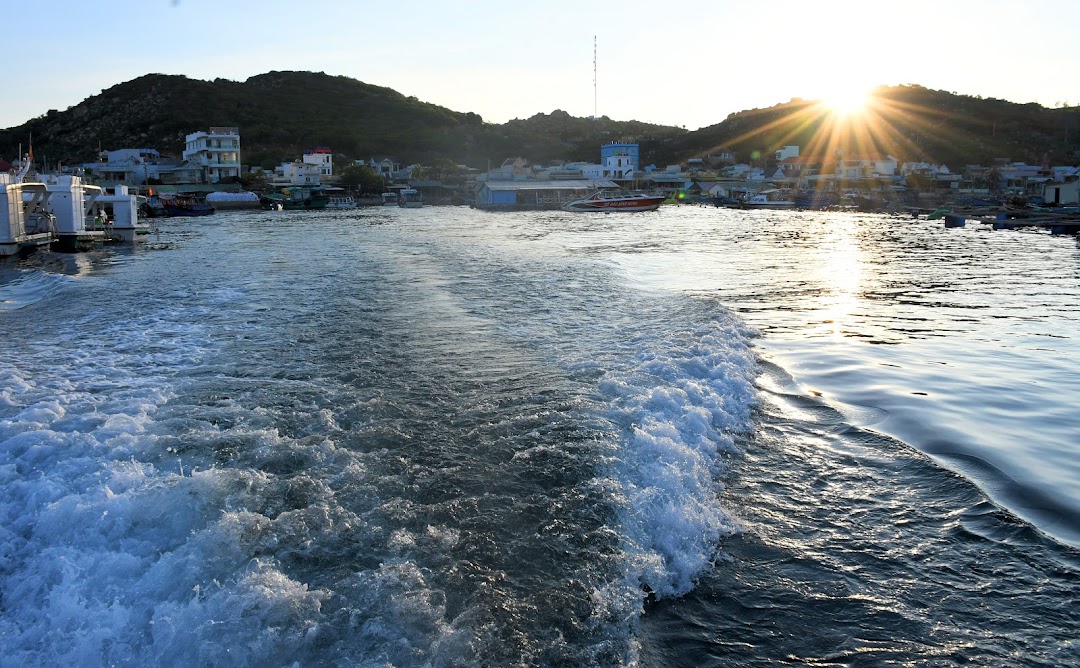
[
  {"x": 477, "y": 460},
  {"x": 679, "y": 408}
]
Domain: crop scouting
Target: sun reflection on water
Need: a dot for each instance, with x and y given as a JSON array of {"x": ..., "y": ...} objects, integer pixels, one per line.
[{"x": 841, "y": 276}]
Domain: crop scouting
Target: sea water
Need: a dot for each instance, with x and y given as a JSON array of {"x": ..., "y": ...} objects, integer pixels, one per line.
[{"x": 447, "y": 437}]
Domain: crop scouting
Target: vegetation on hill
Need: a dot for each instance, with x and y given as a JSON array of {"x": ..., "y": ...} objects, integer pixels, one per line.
[
  {"x": 280, "y": 114},
  {"x": 911, "y": 123}
]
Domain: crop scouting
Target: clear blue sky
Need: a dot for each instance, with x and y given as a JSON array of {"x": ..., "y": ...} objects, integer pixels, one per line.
[{"x": 688, "y": 64}]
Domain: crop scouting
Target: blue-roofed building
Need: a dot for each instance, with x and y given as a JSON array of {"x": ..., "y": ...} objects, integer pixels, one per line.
[
  {"x": 620, "y": 154},
  {"x": 519, "y": 195}
]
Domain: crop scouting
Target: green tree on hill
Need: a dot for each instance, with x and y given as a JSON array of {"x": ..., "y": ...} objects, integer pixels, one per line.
[
  {"x": 362, "y": 179},
  {"x": 442, "y": 169}
]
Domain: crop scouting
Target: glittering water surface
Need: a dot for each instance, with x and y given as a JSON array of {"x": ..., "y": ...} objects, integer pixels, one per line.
[{"x": 444, "y": 437}]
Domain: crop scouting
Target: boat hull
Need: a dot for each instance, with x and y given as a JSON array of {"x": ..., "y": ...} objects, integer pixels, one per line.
[
  {"x": 297, "y": 199},
  {"x": 296, "y": 204},
  {"x": 769, "y": 205},
  {"x": 607, "y": 205},
  {"x": 341, "y": 203},
  {"x": 306, "y": 203},
  {"x": 172, "y": 210},
  {"x": 410, "y": 198}
]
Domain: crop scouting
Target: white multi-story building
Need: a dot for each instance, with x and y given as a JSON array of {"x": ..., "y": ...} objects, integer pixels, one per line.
[
  {"x": 323, "y": 158},
  {"x": 217, "y": 152},
  {"x": 295, "y": 173}
]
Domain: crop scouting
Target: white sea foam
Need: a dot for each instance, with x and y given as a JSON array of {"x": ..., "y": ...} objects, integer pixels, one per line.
[
  {"x": 108, "y": 558},
  {"x": 680, "y": 403},
  {"x": 120, "y": 543},
  {"x": 104, "y": 546},
  {"x": 123, "y": 542},
  {"x": 677, "y": 385}
]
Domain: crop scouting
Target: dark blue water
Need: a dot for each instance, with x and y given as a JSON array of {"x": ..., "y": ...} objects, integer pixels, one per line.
[{"x": 444, "y": 437}]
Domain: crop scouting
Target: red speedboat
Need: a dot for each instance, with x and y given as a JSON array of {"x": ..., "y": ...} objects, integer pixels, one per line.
[{"x": 602, "y": 201}]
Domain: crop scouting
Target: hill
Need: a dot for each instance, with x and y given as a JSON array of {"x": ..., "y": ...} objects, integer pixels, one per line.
[
  {"x": 282, "y": 113},
  {"x": 912, "y": 123}
]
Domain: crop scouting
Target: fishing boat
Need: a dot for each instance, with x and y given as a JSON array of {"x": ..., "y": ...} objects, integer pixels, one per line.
[
  {"x": 341, "y": 202},
  {"x": 815, "y": 199},
  {"x": 410, "y": 198},
  {"x": 606, "y": 201},
  {"x": 768, "y": 199},
  {"x": 151, "y": 207},
  {"x": 296, "y": 198},
  {"x": 185, "y": 205}
]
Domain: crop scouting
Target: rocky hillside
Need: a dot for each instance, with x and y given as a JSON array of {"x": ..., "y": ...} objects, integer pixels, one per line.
[
  {"x": 909, "y": 122},
  {"x": 282, "y": 113}
]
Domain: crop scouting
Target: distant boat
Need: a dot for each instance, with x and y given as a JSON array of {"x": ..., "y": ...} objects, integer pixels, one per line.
[
  {"x": 410, "y": 198},
  {"x": 602, "y": 201},
  {"x": 390, "y": 199},
  {"x": 338, "y": 202},
  {"x": 869, "y": 204},
  {"x": 297, "y": 198},
  {"x": 724, "y": 200},
  {"x": 815, "y": 199},
  {"x": 768, "y": 199},
  {"x": 185, "y": 205},
  {"x": 151, "y": 207}
]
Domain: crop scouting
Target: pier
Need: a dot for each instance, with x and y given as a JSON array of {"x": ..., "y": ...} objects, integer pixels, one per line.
[
  {"x": 1055, "y": 223},
  {"x": 1067, "y": 222}
]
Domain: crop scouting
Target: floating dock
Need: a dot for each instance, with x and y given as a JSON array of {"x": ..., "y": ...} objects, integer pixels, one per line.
[{"x": 1067, "y": 222}]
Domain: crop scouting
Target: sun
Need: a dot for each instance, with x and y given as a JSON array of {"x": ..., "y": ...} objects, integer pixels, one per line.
[{"x": 847, "y": 100}]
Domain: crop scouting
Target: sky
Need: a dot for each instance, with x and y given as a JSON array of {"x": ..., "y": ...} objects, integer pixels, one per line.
[{"x": 683, "y": 64}]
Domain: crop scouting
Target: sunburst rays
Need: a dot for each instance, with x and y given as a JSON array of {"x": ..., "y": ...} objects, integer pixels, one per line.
[{"x": 881, "y": 123}]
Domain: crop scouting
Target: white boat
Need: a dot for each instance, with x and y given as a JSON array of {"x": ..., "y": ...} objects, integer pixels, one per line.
[
  {"x": 767, "y": 199},
  {"x": 389, "y": 199},
  {"x": 339, "y": 202},
  {"x": 24, "y": 221},
  {"x": 63, "y": 212},
  {"x": 410, "y": 198},
  {"x": 609, "y": 201}
]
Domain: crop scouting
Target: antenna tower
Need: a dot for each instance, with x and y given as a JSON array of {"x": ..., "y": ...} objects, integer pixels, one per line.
[{"x": 594, "y": 114}]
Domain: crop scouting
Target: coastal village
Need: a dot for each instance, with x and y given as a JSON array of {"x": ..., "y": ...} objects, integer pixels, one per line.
[{"x": 128, "y": 184}]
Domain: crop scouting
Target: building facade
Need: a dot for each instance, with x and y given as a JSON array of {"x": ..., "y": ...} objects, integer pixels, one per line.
[
  {"x": 323, "y": 158},
  {"x": 620, "y": 156},
  {"x": 216, "y": 152},
  {"x": 295, "y": 173},
  {"x": 786, "y": 153},
  {"x": 141, "y": 166},
  {"x": 384, "y": 167}
]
